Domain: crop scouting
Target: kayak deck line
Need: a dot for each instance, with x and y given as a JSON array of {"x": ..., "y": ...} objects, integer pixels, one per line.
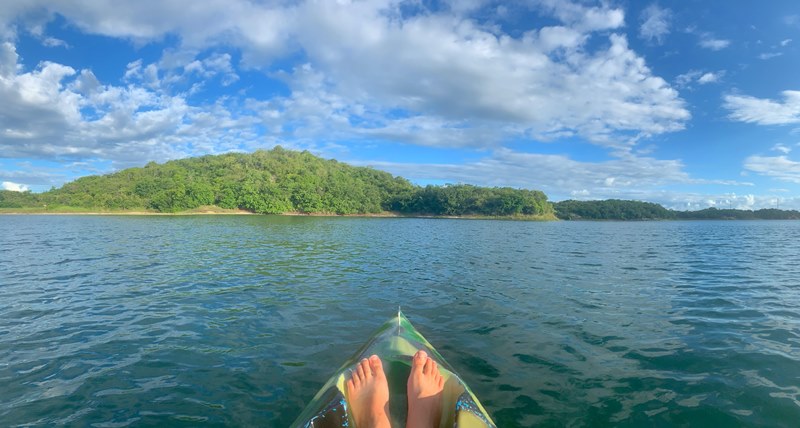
[{"x": 460, "y": 407}]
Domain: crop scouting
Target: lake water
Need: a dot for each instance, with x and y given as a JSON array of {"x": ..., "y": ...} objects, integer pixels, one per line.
[{"x": 238, "y": 321}]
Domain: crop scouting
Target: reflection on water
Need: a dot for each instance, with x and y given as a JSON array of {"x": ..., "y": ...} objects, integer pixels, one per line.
[{"x": 115, "y": 321}]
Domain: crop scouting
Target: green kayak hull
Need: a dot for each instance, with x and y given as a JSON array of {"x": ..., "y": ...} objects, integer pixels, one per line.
[{"x": 395, "y": 343}]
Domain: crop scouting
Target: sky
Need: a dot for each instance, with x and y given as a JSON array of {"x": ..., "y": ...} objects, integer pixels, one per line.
[{"x": 690, "y": 104}]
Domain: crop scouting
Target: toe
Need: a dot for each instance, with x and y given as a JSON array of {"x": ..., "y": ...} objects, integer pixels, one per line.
[
  {"x": 419, "y": 360},
  {"x": 376, "y": 365},
  {"x": 359, "y": 370},
  {"x": 364, "y": 368},
  {"x": 429, "y": 364}
]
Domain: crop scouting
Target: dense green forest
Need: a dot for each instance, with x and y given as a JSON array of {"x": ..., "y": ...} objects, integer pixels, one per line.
[
  {"x": 610, "y": 209},
  {"x": 615, "y": 209},
  {"x": 286, "y": 181},
  {"x": 276, "y": 181}
]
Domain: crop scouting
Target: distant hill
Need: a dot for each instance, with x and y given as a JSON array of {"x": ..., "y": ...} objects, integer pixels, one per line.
[
  {"x": 275, "y": 181},
  {"x": 284, "y": 181},
  {"x": 615, "y": 209}
]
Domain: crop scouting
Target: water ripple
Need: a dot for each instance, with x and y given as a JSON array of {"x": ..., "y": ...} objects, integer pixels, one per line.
[{"x": 127, "y": 321}]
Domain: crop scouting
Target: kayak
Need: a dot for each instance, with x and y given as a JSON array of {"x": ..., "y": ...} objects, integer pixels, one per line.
[{"x": 395, "y": 343}]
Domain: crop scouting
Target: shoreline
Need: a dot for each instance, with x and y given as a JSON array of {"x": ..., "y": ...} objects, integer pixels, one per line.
[{"x": 218, "y": 211}]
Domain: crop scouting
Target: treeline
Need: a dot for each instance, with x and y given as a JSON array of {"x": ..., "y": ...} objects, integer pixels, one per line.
[
  {"x": 9, "y": 199},
  {"x": 464, "y": 199},
  {"x": 610, "y": 209},
  {"x": 615, "y": 209},
  {"x": 731, "y": 214},
  {"x": 277, "y": 181}
]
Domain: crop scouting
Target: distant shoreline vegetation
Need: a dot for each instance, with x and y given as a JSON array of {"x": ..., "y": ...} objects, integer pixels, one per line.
[
  {"x": 616, "y": 209},
  {"x": 281, "y": 181},
  {"x": 277, "y": 181}
]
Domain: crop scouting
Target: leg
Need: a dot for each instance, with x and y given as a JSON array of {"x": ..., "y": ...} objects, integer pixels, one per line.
[
  {"x": 425, "y": 385},
  {"x": 368, "y": 394}
]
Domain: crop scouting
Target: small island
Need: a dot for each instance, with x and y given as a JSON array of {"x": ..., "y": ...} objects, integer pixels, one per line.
[
  {"x": 288, "y": 182},
  {"x": 276, "y": 181}
]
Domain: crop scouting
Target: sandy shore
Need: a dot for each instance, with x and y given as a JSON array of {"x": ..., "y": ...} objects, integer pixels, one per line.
[
  {"x": 221, "y": 211},
  {"x": 198, "y": 211}
]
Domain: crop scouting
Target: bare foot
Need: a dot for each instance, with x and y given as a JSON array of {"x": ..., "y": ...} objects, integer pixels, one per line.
[
  {"x": 425, "y": 385},
  {"x": 368, "y": 394}
]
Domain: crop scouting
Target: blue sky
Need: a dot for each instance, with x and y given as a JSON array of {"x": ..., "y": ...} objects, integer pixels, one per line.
[{"x": 687, "y": 103}]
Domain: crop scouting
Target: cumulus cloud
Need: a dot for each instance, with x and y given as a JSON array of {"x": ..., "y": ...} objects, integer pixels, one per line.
[
  {"x": 762, "y": 111},
  {"x": 35, "y": 107},
  {"x": 371, "y": 72},
  {"x": 14, "y": 187},
  {"x": 655, "y": 23},
  {"x": 786, "y": 42},
  {"x": 544, "y": 84},
  {"x": 56, "y": 112},
  {"x": 213, "y": 65}
]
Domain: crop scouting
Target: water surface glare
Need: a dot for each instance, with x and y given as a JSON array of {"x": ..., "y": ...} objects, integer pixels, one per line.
[{"x": 238, "y": 321}]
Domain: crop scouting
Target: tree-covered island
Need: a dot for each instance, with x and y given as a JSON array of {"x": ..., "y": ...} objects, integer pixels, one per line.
[
  {"x": 277, "y": 181},
  {"x": 281, "y": 181}
]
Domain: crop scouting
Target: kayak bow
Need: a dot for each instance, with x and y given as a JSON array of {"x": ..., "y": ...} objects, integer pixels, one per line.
[{"x": 395, "y": 343}]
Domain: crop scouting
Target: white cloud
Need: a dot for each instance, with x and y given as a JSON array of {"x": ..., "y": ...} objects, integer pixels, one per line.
[
  {"x": 699, "y": 77},
  {"x": 52, "y": 42},
  {"x": 714, "y": 44},
  {"x": 41, "y": 176},
  {"x": 692, "y": 201},
  {"x": 779, "y": 167},
  {"x": 14, "y": 187},
  {"x": 683, "y": 80},
  {"x": 55, "y": 112},
  {"x": 582, "y": 17},
  {"x": 544, "y": 84},
  {"x": 366, "y": 61},
  {"x": 708, "y": 78},
  {"x": 708, "y": 40},
  {"x": 626, "y": 176},
  {"x": 555, "y": 174},
  {"x": 769, "y": 55},
  {"x": 655, "y": 23},
  {"x": 749, "y": 109},
  {"x": 782, "y": 148},
  {"x": 786, "y": 42},
  {"x": 211, "y": 66}
]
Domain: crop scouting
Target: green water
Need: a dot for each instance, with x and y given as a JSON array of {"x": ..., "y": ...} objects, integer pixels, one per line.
[{"x": 237, "y": 321}]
